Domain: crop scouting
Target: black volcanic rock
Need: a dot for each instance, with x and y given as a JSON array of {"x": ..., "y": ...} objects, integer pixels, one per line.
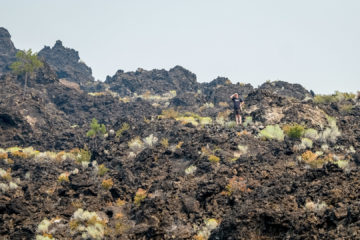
[
  {"x": 220, "y": 89},
  {"x": 188, "y": 99},
  {"x": 163, "y": 182},
  {"x": 66, "y": 63},
  {"x": 155, "y": 81},
  {"x": 7, "y": 50},
  {"x": 286, "y": 89},
  {"x": 219, "y": 81}
]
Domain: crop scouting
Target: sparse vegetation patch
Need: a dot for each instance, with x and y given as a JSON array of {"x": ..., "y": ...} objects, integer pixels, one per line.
[{"x": 272, "y": 132}]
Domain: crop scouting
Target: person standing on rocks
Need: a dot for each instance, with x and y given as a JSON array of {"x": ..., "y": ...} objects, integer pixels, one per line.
[{"x": 238, "y": 103}]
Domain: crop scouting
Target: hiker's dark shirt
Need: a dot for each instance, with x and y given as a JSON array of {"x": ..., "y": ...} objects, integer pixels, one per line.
[{"x": 237, "y": 102}]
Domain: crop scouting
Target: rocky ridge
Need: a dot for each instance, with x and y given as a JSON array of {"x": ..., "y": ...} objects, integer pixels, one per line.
[
  {"x": 175, "y": 166},
  {"x": 67, "y": 64},
  {"x": 7, "y": 50}
]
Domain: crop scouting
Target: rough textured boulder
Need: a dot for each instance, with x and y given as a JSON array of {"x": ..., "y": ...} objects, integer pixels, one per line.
[
  {"x": 220, "y": 89},
  {"x": 66, "y": 63},
  {"x": 286, "y": 89},
  {"x": 7, "y": 50},
  {"x": 155, "y": 81}
]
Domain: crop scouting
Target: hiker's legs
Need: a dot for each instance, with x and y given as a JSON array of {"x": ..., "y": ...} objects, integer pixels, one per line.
[
  {"x": 240, "y": 120},
  {"x": 237, "y": 114}
]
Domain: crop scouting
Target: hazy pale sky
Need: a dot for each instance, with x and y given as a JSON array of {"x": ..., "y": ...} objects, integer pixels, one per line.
[{"x": 312, "y": 42}]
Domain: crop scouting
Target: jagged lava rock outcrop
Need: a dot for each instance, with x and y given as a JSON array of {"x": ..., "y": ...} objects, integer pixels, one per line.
[
  {"x": 66, "y": 63},
  {"x": 7, "y": 50},
  {"x": 155, "y": 81},
  {"x": 220, "y": 89},
  {"x": 286, "y": 89}
]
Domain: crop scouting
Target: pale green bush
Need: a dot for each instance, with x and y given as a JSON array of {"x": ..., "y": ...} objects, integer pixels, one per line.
[
  {"x": 190, "y": 170},
  {"x": 4, "y": 187},
  {"x": 337, "y": 97},
  {"x": 248, "y": 121},
  {"x": 43, "y": 227},
  {"x": 205, "y": 120},
  {"x": 331, "y": 133},
  {"x": 13, "y": 186},
  {"x": 205, "y": 232},
  {"x": 311, "y": 134},
  {"x": 40, "y": 237},
  {"x": 325, "y": 147},
  {"x": 206, "y": 105},
  {"x": 187, "y": 119},
  {"x": 243, "y": 149},
  {"x": 88, "y": 223},
  {"x": 306, "y": 142},
  {"x": 150, "y": 141},
  {"x": 136, "y": 144},
  {"x": 351, "y": 150},
  {"x": 3, "y": 173},
  {"x": 230, "y": 124},
  {"x": 220, "y": 121},
  {"x": 316, "y": 207},
  {"x": 272, "y": 132},
  {"x": 342, "y": 163}
]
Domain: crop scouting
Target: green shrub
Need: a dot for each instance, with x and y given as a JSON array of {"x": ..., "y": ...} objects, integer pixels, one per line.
[
  {"x": 96, "y": 129},
  {"x": 102, "y": 170},
  {"x": 165, "y": 142},
  {"x": 27, "y": 63},
  {"x": 140, "y": 196},
  {"x": 169, "y": 113},
  {"x": 272, "y": 132},
  {"x": 205, "y": 120},
  {"x": 324, "y": 99},
  {"x": 124, "y": 127},
  {"x": 186, "y": 120},
  {"x": 213, "y": 159},
  {"x": 294, "y": 130},
  {"x": 340, "y": 96},
  {"x": 82, "y": 155},
  {"x": 336, "y": 97},
  {"x": 64, "y": 177},
  {"x": 346, "y": 108},
  {"x": 107, "y": 183}
]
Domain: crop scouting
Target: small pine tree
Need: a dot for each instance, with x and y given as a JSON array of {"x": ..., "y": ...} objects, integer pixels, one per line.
[
  {"x": 96, "y": 129},
  {"x": 27, "y": 63}
]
